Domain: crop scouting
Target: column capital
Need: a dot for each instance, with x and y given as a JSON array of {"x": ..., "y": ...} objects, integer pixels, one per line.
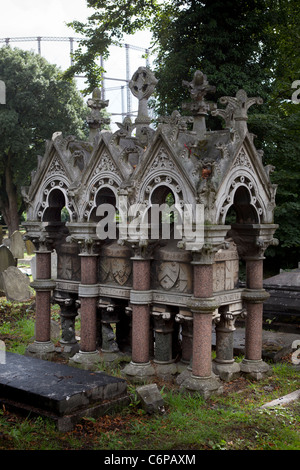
[
  {"x": 88, "y": 246},
  {"x": 255, "y": 296},
  {"x": 252, "y": 240},
  {"x": 142, "y": 249},
  {"x": 202, "y": 305},
  {"x": 206, "y": 255},
  {"x": 227, "y": 319}
]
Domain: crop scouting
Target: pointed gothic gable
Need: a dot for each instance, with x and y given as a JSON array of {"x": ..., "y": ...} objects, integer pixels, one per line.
[
  {"x": 52, "y": 172},
  {"x": 161, "y": 165},
  {"x": 105, "y": 159},
  {"x": 247, "y": 171}
]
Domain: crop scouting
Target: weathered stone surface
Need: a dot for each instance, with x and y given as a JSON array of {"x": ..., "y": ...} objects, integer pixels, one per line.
[
  {"x": 30, "y": 248},
  {"x": 151, "y": 399},
  {"x": 17, "y": 245},
  {"x": 284, "y": 290},
  {"x": 57, "y": 390},
  {"x": 6, "y": 258},
  {"x": 16, "y": 285}
]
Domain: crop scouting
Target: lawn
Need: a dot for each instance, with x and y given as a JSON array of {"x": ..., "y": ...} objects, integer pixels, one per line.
[{"x": 231, "y": 421}]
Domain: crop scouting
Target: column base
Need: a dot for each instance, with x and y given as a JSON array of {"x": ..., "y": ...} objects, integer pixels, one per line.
[
  {"x": 226, "y": 371},
  {"x": 86, "y": 360},
  {"x": 256, "y": 370},
  {"x": 139, "y": 372},
  {"x": 185, "y": 373},
  {"x": 67, "y": 349},
  {"x": 41, "y": 350},
  {"x": 205, "y": 386},
  {"x": 165, "y": 370}
]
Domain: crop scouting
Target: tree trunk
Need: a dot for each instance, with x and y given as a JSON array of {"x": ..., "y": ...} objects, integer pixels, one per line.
[{"x": 9, "y": 204}]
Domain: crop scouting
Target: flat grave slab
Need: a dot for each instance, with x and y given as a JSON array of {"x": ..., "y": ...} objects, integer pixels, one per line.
[{"x": 58, "y": 391}]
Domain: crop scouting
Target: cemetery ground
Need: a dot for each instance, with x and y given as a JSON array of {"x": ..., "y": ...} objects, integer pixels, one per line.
[{"x": 232, "y": 421}]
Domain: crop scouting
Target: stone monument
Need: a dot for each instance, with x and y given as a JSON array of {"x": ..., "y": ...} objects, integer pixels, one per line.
[{"x": 149, "y": 257}]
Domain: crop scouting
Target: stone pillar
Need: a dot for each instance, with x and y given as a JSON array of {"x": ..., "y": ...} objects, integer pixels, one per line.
[
  {"x": 88, "y": 355},
  {"x": 68, "y": 313},
  {"x": 254, "y": 295},
  {"x": 203, "y": 305},
  {"x": 224, "y": 365},
  {"x": 109, "y": 315},
  {"x": 185, "y": 318},
  {"x": 140, "y": 368},
  {"x": 43, "y": 286},
  {"x": 163, "y": 351}
]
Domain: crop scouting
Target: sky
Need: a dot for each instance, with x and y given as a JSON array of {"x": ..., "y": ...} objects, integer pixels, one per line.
[{"x": 49, "y": 18}]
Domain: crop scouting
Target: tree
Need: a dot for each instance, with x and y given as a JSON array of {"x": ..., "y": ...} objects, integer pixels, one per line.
[
  {"x": 38, "y": 103},
  {"x": 251, "y": 44}
]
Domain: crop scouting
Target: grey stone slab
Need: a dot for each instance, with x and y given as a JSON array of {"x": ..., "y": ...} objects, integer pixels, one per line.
[
  {"x": 6, "y": 260},
  {"x": 17, "y": 245},
  {"x": 56, "y": 389},
  {"x": 16, "y": 285}
]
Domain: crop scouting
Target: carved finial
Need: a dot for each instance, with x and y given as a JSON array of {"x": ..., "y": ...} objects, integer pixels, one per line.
[
  {"x": 199, "y": 87},
  {"x": 236, "y": 112},
  {"x": 95, "y": 120},
  {"x": 142, "y": 85}
]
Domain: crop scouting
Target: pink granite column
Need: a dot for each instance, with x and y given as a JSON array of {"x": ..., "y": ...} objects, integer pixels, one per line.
[
  {"x": 202, "y": 325},
  {"x": 202, "y": 379},
  {"x": 140, "y": 369},
  {"x": 140, "y": 313},
  {"x": 88, "y": 305},
  {"x": 254, "y": 295},
  {"x": 42, "y": 347},
  {"x": 254, "y": 318}
]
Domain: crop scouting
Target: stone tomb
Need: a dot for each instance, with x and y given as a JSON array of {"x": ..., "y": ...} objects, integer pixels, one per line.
[
  {"x": 155, "y": 294},
  {"x": 283, "y": 304},
  {"x": 62, "y": 393}
]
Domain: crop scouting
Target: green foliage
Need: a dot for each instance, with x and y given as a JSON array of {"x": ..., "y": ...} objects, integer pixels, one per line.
[
  {"x": 38, "y": 103},
  {"x": 252, "y": 45}
]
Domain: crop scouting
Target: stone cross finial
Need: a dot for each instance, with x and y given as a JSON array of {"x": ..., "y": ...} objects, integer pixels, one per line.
[
  {"x": 199, "y": 87},
  {"x": 236, "y": 112},
  {"x": 95, "y": 120},
  {"x": 142, "y": 85}
]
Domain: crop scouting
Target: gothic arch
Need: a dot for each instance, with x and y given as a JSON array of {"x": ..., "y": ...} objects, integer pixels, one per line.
[
  {"x": 241, "y": 185},
  {"x": 47, "y": 200}
]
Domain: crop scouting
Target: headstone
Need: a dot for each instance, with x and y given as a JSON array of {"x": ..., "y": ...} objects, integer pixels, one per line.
[
  {"x": 6, "y": 260},
  {"x": 17, "y": 245},
  {"x": 6, "y": 242},
  {"x": 30, "y": 248},
  {"x": 16, "y": 284}
]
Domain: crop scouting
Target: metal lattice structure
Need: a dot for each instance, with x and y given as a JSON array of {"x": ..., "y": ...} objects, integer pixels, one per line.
[{"x": 72, "y": 40}]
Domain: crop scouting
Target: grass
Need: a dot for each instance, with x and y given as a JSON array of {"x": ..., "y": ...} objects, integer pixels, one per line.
[{"x": 231, "y": 421}]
